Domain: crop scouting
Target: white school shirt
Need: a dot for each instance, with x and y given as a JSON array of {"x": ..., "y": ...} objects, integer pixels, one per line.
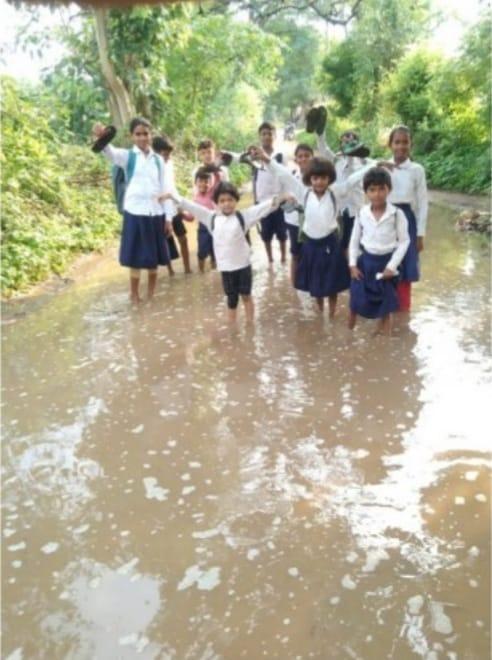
[
  {"x": 320, "y": 214},
  {"x": 146, "y": 184},
  {"x": 265, "y": 185},
  {"x": 345, "y": 166},
  {"x": 232, "y": 251},
  {"x": 388, "y": 234},
  {"x": 410, "y": 187}
]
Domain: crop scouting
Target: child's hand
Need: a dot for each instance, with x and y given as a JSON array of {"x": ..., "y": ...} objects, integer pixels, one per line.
[
  {"x": 287, "y": 197},
  {"x": 420, "y": 243},
  {"x": 388, "y": 274},
  {"x": 355, "y": 273},
  {"x": 187, "y": 216},
  {"x": 164, "y": 197},
  {"x": 98, "y": 130},
  {"x": 259, "y": 154}
]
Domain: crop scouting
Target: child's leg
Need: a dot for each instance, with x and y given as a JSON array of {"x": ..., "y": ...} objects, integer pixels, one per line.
[
  {"x": 404, "y": 292},
  {"x": 352, "y": 320},
  {"x": 201, "y": 265},
  {"x": 249, "y": 308},
  {"x": 293, "y": 269},
  {"x": 268, "y": 248},
  {"x": 332, "y": 305},
  {"x": 321, "y": 304},
  {"x": 135, "y": 285},
  {"x": 283, "y": 251},
  {"x": 151, "y": 282},
  {"x": 213, "y": 263},
  {"x": 232, "y": 302},
  {"x": 386, "y": 325},
  {"x": 170, "y": 269},
  {"x": 185, "y": 253}
]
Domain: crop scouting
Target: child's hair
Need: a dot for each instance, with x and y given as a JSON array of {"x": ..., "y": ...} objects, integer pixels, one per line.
[
  {"x": 139, "y": 121},
  {"x": 401, "y": 128},
  {"x": 203, "y": 174},
  {"x": 376, "y": 176},
  {"x": 303, "y": 147},
  {"x": 267, "y": 125},
  {"x": 162, "y": 143},
  {"x": 205, "y": 144},
  {"x": 226, "y": 188},
  {"x": 353, "y": 135},
  {"x": 319, "y": 167}
]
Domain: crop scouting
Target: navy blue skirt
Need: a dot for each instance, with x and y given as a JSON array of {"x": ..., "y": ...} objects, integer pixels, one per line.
[
  {"x": 410, "y": 266},
  {"x": 322, "y": 270},
  {"x": 143, "y": 241},
  {"x": 370, "y": 297},
  {"x": 172, "y": 247}
]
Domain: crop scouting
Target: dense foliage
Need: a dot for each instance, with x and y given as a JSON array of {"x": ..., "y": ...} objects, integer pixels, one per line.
[{"x": 55, "y": 198}]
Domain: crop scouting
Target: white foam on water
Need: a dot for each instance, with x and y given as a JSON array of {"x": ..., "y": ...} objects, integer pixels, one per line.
[
  {"x": 153, "y": 491},
  {"x": 440, "y": 621},
  {"x": 373, "y": 558},
  {"x": 138, "y": 429},
  {"x": 18, "y": 654},
  {"x": 252, "y": 553},
  {"x": 16, "y": 547},
  {"x": 415, "y": 604},
  {"x": 208, "y": 533},
  {"x": 205, "y": 580},
  {"x": 348, "y": 583},
  {"x": 8, "y": 532},
  {"x": 459, "y": 501},
  {"x": 81, "y": 529},
  {"x": 334, "y": 600},
  {"x": 480, "y": 497},
  {"x": 293, "y": 571},
  {"x": 471, "y": 475},
  {"x": 187, "y": 490},
  {"x": 50, "y": 548},
  {"x": 473, "y": 551}
]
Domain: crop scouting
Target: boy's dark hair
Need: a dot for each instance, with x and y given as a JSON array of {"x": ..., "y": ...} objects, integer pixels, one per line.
[
  {"x": 205, "y": 144},
  {"x": 203, "y": 173},
  {"x": 162, "y": 143},
  {"x": 226, "y": 188},
  {"x": 376, "y": 176},
  {"x": 139, "y": 121},
  {"x": 319, "y": 167},
  {"x": 266, "y": 125},
  {"x": 401, "y": 128},
  {"x": 304, "y": 147}
]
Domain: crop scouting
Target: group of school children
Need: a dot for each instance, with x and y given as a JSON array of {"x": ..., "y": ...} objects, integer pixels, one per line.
[{"x": 338, "y": 240}]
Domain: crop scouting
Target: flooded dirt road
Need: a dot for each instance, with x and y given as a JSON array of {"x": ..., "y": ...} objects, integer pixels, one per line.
[{"x": 174, "y": 490}]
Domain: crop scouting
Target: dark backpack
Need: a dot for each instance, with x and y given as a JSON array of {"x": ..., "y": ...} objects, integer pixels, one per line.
[
  {"x": 121, "y": 177},
  {"x": 240, "y": 217}
]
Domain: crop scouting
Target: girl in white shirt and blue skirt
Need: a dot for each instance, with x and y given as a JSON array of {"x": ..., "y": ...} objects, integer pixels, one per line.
[
  {"x": 143, "y": 239},
  {"x": 378, "y": 244},
  {"x": 322, "y": 269},
  {"x": 409, "y": 193}
]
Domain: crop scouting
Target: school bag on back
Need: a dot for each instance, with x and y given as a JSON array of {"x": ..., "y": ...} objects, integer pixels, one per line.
[
  {"x": 302, "y": 214},
  {"x": 240, "y": 217},
  {"x": 121, "y": 177}
]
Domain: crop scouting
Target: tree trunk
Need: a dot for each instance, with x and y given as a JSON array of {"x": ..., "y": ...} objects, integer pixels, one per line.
[{"x": 120, "y": 104}]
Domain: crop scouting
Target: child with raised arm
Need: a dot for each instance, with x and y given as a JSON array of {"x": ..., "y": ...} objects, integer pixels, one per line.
[
  {"x": 378, "y": 244},
  {"x": 143, "y": 243},
  {"x": 233, "y": 253},
  {"x": 322, "y": 269}
]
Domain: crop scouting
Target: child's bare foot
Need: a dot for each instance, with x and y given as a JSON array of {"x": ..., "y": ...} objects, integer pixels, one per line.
[
  {"x": 171, "y": 272},
  {"x": 213, "y": 265},
  {"x": 352, "y": 320},
  {"x": 135, "y": 300}
]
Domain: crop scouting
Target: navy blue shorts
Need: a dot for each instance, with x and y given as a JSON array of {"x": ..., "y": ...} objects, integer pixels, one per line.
[
  {"x": 205, "y": 244},
  {"x": 237, "y": 283},
  {"x": 273, "y": 225},
  {"x": 143, "y": 241}
]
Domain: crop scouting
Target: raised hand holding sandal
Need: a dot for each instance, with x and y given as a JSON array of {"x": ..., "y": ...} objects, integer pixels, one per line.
[{"x": 104, "y": 139}]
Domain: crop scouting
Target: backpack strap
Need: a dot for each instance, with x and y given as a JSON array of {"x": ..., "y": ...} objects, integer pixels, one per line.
[
  {"x": 302, "y": 218},
  {"x": 132, "y": 160},
  {"x": 241, "y": 220}
]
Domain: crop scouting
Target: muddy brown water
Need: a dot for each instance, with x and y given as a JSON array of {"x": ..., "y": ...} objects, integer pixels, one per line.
[{"x": 176, "y": 490}]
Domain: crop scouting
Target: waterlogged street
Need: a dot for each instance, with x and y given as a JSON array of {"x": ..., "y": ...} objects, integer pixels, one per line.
[{"x": 176, "y": 490}]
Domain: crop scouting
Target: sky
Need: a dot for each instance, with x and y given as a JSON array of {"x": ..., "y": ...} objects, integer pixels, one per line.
[{"x": 457, "y": 16}]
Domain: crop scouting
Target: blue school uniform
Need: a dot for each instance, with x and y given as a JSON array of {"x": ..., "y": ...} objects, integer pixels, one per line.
[
  {"x": 322, "y": 269},
  {"x": 205, "y": 243},
  {"x": 369, "y": 297},
  {"x": 410, "y": 266}
]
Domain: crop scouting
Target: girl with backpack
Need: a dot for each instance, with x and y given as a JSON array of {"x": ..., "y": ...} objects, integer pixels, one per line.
[
  {"x": 322, "y": 269},
  {"x": 228, "y": 228},
  {"x": 143, "y": 239}
]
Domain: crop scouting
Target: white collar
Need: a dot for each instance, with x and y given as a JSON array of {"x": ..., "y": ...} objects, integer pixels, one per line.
[
  {"x": 404, "y": 165},
  {"x": 388, "y": 212}
]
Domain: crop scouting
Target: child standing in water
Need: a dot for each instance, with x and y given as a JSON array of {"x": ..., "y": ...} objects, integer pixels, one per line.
[
  {"x": 228, "y": 228},
  {"x": 409, "y": 193},
  {"x": 164, "y": 148},
  {"x": 322, "y": 269},
  {"x": 378, "y": 244},
  {"x": 203, "y": 187},
  {"x": 143, "y": 239}
]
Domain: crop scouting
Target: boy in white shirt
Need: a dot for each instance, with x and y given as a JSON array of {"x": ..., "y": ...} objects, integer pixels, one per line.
[
  {"x": 232, "y": 250},
  {"x": 377, "y": 247}
]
